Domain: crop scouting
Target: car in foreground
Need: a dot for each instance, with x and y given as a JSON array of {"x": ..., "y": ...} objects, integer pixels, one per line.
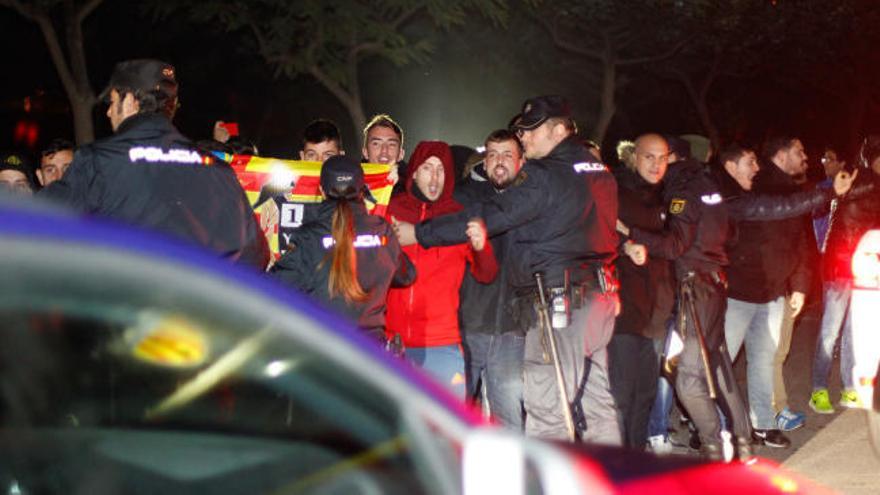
[
  {"x": 134, "y": 364},
  {"x": 865, "y": 314}
]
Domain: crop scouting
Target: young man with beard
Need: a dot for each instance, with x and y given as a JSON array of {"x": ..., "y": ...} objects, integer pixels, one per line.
[
  {"x": 766, "y": 261},
  {"x": 561, "y": 220},
  {"x": 493, "y": 345},
  {"x": 425, "y": 314}
]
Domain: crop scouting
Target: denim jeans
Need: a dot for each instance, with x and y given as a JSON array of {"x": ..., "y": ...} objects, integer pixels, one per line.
[
  {"x": 835, "y": 318},
  {"x": 444, "y": 363},
  {"x": 758, "y": 326},
  {"x": 497, "y": 361},
  {"x": 658, "y": 421}
]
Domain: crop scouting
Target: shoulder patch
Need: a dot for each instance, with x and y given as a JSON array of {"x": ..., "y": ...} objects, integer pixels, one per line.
[
  {"x": 676, "y": 206},
  {"x": 711, "y": 199},
  {"x": 586, "y": 167}
]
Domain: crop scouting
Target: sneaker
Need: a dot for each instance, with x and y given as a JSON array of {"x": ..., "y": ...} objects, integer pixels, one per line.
[
  {"x": 850, "y": 398},
  {"x": 788, "y": 420},
  {"x": 659, "y": 444},
  {"x": 821, "y": 402},
  {"x": 743, "y": 450},
  {"x": 771, "y": 438}
]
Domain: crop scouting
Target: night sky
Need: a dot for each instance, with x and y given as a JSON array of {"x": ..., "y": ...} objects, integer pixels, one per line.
[{"x": 476, "y": 80}]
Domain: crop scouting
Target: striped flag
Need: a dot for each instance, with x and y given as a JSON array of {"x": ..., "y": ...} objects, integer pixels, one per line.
[{"x": 266, "y": 179}]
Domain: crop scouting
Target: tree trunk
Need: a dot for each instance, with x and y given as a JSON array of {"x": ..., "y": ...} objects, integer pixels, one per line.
[
  {"x": 83, "y": 123},
  {"x": 607, "y": 106}
]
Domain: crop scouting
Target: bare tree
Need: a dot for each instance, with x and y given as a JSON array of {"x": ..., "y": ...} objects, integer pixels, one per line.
[{"x": 69, "y": 58}]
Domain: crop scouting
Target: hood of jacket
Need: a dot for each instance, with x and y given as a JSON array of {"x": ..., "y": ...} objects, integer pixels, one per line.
[{"x": 411, "y": 205}]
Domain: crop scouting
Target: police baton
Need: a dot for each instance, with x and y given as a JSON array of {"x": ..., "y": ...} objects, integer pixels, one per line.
[
  {"x": 687, "y": 292},
  {"x": 547, "y": 333}
]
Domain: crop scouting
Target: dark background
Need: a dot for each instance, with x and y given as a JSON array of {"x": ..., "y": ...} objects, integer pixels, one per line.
[{"x": 475, "y": 81}]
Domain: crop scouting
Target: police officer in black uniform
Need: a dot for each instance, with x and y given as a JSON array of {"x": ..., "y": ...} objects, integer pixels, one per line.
[
  {"x": 698, "y": 226},
  {"x": 561, "y": 222},
  {"x": 150, "y": 175},
  {"x": 346, "y": 257}
]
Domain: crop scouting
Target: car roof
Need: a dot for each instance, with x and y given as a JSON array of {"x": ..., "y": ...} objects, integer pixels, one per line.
[{"x": 36, "y": 220}]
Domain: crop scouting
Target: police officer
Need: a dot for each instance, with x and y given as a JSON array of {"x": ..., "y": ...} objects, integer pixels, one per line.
[
  {"x": 560, "y": 219},
  {"x": 149, "y": 175},
  {"x": 698, "y": 226},
  {"x": 346, "y": 257}
]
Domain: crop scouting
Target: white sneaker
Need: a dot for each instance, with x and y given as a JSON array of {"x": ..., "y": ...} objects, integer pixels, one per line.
[{"x": 659, "y": 444}]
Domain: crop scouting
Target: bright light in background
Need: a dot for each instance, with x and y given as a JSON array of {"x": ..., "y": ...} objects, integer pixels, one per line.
[
  {"x": 277, "y": 368},
  {"x": 282, "y": 177}
]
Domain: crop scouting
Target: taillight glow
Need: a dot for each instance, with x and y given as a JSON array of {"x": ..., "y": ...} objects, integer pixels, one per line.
[{"x": 866, "y": 261}]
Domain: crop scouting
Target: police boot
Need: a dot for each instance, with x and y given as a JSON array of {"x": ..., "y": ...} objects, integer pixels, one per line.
[{"x": 711, "y": 451}]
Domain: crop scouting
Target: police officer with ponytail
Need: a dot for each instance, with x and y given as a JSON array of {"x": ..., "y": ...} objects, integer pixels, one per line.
[{"x": 346, "y": 257}]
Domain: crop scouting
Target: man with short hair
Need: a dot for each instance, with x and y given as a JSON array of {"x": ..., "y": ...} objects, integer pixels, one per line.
[
  {"x": 765, "y": 264},
  {"x": 54, "y": 160},
  {"x": 149, "y": 175},
  {"x": 15, "y": 174},
  {"x": 321, "y": 140},
  {"x": 493, "y": 345},
  {"x": 383, "y": 143},
  {"x": 383, "y": 140},
  {"x": 796, "y": 252},
  {"x": 561, "y": 220}
]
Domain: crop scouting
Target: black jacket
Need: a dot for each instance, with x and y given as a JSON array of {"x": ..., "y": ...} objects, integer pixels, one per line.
[
  {"x": 561, "y": 216},
  {"x": 646, "y": 292},
  {"x": 699, "y": 219},
  {"x": 380, "y": 264},
  {"x": 768, "y": 259},
  {"x": 148, "y": 174},
  {"x": 854, "y": 215},
  {"x": 482, "y": 307}
]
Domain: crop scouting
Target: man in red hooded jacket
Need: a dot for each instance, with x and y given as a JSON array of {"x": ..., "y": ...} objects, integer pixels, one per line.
[{"x": 425, "y": 314}]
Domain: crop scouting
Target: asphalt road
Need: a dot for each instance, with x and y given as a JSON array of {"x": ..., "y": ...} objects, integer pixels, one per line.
[{"x": 830, "y": 449}]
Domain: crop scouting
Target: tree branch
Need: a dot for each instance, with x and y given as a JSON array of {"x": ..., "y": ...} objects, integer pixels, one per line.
[
  {"x": 654, "y": 58},
  {"x": 29, "y": 12},
  {"x": 562, "y": 44},
  {"x": 86, "y": 9}
]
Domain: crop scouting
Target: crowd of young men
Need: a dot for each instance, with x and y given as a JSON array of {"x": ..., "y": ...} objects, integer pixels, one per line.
[{"x": 540, "y": 323}]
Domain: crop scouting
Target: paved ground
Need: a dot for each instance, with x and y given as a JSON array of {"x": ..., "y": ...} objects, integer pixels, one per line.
[{"x": 831, "y": 449}]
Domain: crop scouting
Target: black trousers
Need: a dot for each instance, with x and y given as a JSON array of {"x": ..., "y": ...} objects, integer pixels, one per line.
[
  {"x": 634, "y": 369},
  {"x": 710, "y": 300}
]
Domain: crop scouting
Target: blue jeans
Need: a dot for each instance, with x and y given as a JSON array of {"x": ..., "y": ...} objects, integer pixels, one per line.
[
  {"x": 444, "y": 363},
  {"x": 497, "y": 360},
  {"x": 835, "y": 317},
  {"x": 759, "y": 326},
  {"x": 658, "y": 421}
]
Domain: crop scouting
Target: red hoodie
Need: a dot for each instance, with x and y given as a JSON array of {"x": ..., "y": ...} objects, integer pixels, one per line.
[{"x": 425, "y": 314}]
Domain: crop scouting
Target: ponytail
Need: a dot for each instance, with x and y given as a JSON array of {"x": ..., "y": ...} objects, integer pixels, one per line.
[{"x": 343, "y": 263}]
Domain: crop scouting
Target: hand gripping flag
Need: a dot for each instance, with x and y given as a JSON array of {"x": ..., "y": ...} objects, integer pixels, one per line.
[{"x": 275, "y": 187}]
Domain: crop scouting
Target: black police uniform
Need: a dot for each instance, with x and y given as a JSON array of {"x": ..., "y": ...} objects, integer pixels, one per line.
[
  {"x": 381, "y": 263},
  {"x": 560, "y": 218},
  {"x": 699, "y": 223},
  {"x": 148, "y": 174}
]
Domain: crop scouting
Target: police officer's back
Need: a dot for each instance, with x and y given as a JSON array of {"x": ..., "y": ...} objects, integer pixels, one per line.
[{"x": 148, "y": 174}]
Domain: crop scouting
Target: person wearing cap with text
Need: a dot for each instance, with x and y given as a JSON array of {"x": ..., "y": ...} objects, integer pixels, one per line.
[
  {"x": 345, "y": 257},
  {"x": 149, "y": 175},
  {"x": 15, "y": 176},
  {"x": 561, "y": 222}
]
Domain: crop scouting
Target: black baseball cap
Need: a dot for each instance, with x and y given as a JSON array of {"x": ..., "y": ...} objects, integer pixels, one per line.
[
  {"x": 339, "y": 173},
  {"x": 536, "y": 111},
  {"x": 15, "y": 161},
  {"x": 142, "y": 75}
]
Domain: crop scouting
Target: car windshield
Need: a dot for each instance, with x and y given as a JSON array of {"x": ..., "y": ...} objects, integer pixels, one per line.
[{"x": 118, "y": 374}]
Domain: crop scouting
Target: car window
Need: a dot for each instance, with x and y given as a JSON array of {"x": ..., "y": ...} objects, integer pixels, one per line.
[{"x": 121, "y": 374}]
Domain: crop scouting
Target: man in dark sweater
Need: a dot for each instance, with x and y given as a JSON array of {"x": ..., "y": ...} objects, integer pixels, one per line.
[{"x": 493, "y": 345}]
